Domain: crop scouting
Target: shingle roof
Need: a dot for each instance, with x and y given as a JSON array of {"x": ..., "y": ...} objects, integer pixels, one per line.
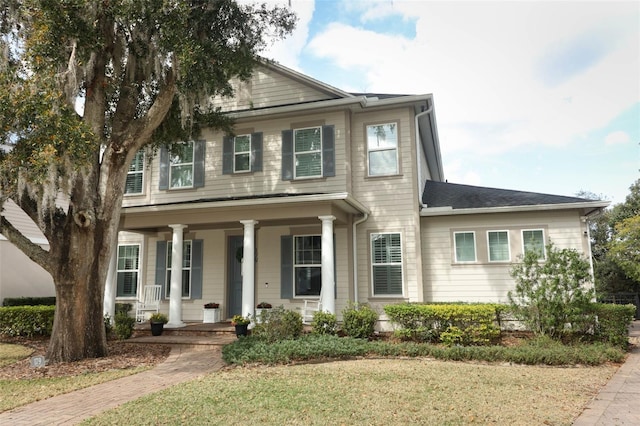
[{"x": 457, "y": 196}]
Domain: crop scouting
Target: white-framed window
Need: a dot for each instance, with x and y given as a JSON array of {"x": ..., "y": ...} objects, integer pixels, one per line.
[
  {"x": 465, "y": 246},
  {"x": 382, "y": 147},
  {"x": 533, "y": 240},
  {"x": 307, "y": 265},
  {"x": 242, "y": 153},
  {"x": 386, "y": 264},
  {"x": 181, "y": 165},
  {"x": 135, "y": 175},
  {"x": 307, "y": 152},
  {"x": 128, "y": 270},
  {"x": 498, "y": 246},
  {"x": 186, "y": 269}
]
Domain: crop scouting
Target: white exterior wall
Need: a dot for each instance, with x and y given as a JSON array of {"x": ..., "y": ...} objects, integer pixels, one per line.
[{"x": 448, "y": 281}]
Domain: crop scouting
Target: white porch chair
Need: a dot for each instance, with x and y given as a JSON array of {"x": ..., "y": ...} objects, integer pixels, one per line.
[
  {"x": 310, "y": 307},
  {"x": 148, "y": 301}
]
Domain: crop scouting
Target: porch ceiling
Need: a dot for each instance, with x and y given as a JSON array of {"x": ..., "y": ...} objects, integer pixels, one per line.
[{"x": 286, "y": 209}]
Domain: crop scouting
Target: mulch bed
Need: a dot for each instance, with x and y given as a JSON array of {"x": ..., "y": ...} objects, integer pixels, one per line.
[{"x": 121, "y": 355}]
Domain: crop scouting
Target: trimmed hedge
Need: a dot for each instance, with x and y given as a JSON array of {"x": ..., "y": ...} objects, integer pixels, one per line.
[
  {"x": 29, "y": 301},
  {"x": 26, "y": 320},
  {"x": 613, "y": 321},
  {"x": 451, "y": 324}
]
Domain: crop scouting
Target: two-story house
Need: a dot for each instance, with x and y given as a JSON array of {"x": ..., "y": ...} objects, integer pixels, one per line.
[{"x": 323, "y": 194}]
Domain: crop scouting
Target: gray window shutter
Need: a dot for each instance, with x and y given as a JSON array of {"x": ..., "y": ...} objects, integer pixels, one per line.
[
  {"x": 164, "y": 169},
  {"x": 227, "y": 155},
  {"x": 287, "y": 155},
  {"x": 196, "y": 269},
  {"x": 256, "y": 152},
  {"x": 198, "y": 163},
  {"x": 286, "y": 267},
  {"x": 161, "y": 264},
  {"x": 328, "y": 151}
]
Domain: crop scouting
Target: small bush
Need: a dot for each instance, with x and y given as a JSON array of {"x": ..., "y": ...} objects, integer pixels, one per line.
[
  {"x": 108, "y": 326},
  {"x": 324, "y": 323},
  {"x": 29, "y": 301},
  {"x": 26, "y": 320},
  {"x": 278, "y": 324},
  {"x": 123, "y": 326},
  {"x": 613, "y": 323},
  {"x": 359, "y": 320},
  {"x": 123, "y": 308}
]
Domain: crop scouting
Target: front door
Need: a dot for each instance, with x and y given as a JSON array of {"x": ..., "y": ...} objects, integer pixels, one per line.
[{"x": 234, "y": 276}]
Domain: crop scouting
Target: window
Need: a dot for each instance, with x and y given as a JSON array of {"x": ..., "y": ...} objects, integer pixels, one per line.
[
  {"x": 135, "y": 175},
  {"x": 382, "y": 145},
  {"x": 307, "y": 262},
  {"x": 533, "y": 240},
  {"x": 465, "y": 246},
  {"x": 186, "y": 269},
  {"x": 498, "y": 246},
  {"x": 181, "y": 166},
  {"x": 128, "y": 270},
  {"x": 307, "y": 146},
  {"x": 242, "y": 153},
  {"x": 386, "y": 263}
]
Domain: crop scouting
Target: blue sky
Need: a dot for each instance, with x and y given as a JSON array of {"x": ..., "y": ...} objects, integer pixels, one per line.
[{"x": 537, "y": 96}]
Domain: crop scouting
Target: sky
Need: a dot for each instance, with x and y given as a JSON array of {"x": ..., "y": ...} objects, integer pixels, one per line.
[{"x": 536, "y": 96}]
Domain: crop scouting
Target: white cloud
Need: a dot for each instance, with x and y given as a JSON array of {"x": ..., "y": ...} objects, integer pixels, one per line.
[{"x": 617, "y": 138}]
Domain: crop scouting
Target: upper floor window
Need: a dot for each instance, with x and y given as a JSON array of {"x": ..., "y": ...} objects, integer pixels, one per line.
[
  {"x": 242, "y": 153},
  {"x": 465, "y": 246},
  {"x": 308, "y": 153},
  {"x": 382, "y": 147},
  {"x": 135, "y": 175},
  {"x": 533, "y": 240},
  {"x": 307, "y": 265},
  {"x": 128, "y": 267},
  {"x": 182, "y": 165},
  {"x": 498, "y": 246},
  {"x": 386, "y": 264}
]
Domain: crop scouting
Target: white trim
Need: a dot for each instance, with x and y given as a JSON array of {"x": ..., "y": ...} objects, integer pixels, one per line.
[
  {"x": 449, "y": 211},
  {"x": 372, "y": 264},
  {"x": 396, "y": 149},
  {"x": 295, "y": 153},
  {"x": 193, "y": 162},
  {"x": 144, "y": 160},
  {"x": 544, "y": 242},
  {"x": 242, "y": 152},
  {"x": 303, "y": 265},
  {"x": 138, "y": 270}
]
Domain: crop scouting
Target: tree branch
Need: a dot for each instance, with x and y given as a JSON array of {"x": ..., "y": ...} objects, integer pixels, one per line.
[{"x": 32, "y": 250}]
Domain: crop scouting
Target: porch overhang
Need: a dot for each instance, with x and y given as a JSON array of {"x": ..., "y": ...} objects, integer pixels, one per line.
[
  {"x": 286, "y": 208},
  {"x": 587, "y": 209}
]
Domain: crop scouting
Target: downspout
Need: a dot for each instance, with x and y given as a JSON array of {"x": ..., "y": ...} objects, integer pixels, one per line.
[
  {"x": 355, "y": 255},
  {"x": 418, "y": 138}
]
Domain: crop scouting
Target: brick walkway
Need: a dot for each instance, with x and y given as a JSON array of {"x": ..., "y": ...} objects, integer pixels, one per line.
[
  {"x": 183, "y": 363},
  {"x": 618, "y": 403}
]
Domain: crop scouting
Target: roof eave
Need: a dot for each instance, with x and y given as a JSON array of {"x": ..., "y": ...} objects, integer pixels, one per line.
[{"x": 587, "y": 208}]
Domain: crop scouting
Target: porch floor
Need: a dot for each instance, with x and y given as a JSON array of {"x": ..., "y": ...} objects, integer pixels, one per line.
[{"x": 197, "y": 335}]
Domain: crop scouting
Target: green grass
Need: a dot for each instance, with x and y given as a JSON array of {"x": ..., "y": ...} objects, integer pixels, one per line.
[
  {"x": 12, "y": 353},
  {"x": 373, "y": 392}
]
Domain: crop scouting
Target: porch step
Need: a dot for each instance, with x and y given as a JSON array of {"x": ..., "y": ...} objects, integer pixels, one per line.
[{"x": 194, "y": 335}]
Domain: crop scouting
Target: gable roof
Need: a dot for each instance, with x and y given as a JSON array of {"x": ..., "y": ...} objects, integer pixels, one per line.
[{"x": 441, "y": 198}]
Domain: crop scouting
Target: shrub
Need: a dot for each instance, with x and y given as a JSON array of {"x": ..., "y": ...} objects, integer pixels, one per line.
[
  {"x": 108, "y": 326},
  {"x": 29, "y": 301},
  {"x": 324, "y": 323},
  {"x": 613, "y": 323},
  {"x": 278, "y": 324},
  {"x": 359, "y": 320},
  {"x": 551, "y": 295},
  {"x": 452, "y": 324},
  {"x": 123, "y": 308},
  {"x": 26, "y": 320},
  {"x": 158, "y": 317},
  {"x": 124, "y": 326}
]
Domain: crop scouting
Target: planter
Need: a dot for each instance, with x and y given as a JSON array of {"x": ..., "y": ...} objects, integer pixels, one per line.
[
  {"x": 156, "y": 328},
  {"x": 259, "y": 314},
  {"x": 211, "y": 315},
  {"x": 242, "y": 329}
]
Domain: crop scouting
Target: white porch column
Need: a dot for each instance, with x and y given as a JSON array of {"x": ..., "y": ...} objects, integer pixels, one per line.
[
  {"x": 328, "y": 278},
  {"x": 110, "y": 287},
  {"x": 248, "y": 268},
  {"x": 175, "y": 298}
]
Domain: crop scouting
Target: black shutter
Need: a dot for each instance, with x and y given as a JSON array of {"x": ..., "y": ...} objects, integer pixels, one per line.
[
  {"x": 227, "y": 155},
  {"x": 328, "y": 151},
  {"x": 198, "y": 163},
  {"x": 286, "y": 267},
  {"x": 164, "y": 169},
  {"x": 196, "y": 269},
  {"x": 161, "y": 265},
  {"x": 287, "y": 155},
  {"x": 256, "y": 152}
]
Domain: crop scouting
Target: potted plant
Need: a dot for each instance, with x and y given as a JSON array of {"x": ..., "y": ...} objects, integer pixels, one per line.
[
  {"x": 211, "y": 312},
  {"x": 260, "y": 308},
  {"x": 157, "y": 322},
  {"x": 241, "y": 324}
]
